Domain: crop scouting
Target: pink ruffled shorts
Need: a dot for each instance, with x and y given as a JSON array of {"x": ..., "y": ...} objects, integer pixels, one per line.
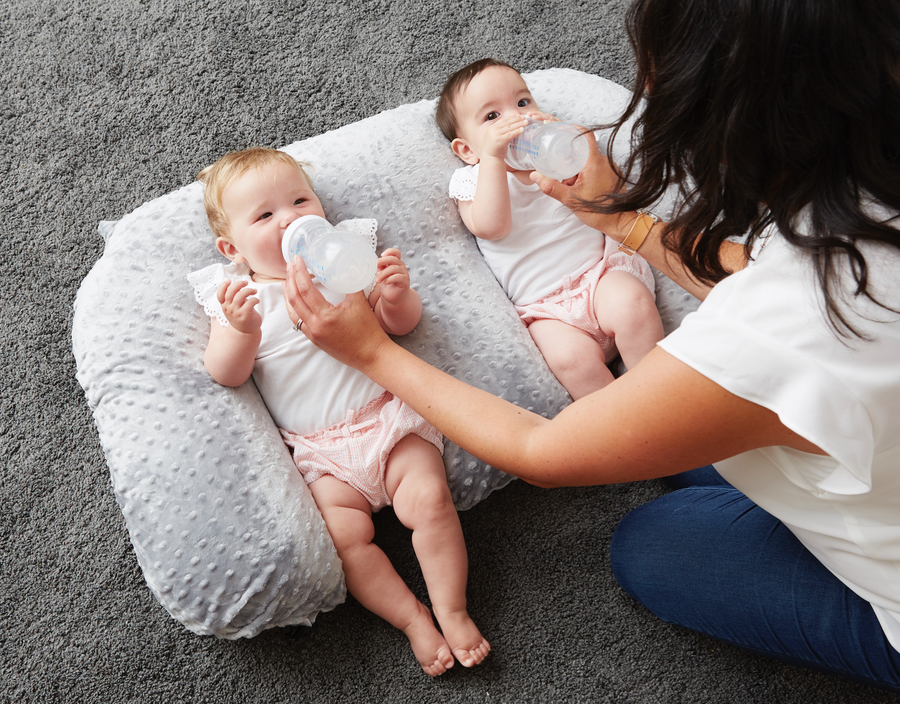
[
  {"x": 573, "y": 302},
  {"x": 356, "y": 450}
]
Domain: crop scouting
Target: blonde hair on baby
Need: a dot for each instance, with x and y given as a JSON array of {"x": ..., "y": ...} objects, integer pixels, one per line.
[{"x": 219, "y": 176}]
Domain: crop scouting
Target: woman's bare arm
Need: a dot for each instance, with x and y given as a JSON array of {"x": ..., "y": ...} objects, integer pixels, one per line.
[{"x": 660, "y": 418}]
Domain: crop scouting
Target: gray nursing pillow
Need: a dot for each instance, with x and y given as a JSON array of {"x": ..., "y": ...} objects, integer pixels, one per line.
[{"x": 225, "y": 530}]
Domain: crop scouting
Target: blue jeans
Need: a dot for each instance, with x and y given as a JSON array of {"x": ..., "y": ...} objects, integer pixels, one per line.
[{"x": 707, "y": 558}]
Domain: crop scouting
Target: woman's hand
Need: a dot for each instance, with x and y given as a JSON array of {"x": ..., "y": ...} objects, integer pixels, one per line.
[
  {"x": 597, "y": 179},
  {"x": 349, "y": 332}
]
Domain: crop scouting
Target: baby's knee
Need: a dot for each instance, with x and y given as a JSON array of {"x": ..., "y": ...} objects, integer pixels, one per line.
[
  {"x": 348, "y": 527},
  {"x": 434, "y": 499},
  {"x": 630, "y": 293},
  {"x": 630, "y": 305},
  {"x": 423, "y": 500},
  {"x": 575, "y": 358}
]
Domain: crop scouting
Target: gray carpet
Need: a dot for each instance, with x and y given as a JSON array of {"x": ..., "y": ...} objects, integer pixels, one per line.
[{"x": 106, "y": 104}]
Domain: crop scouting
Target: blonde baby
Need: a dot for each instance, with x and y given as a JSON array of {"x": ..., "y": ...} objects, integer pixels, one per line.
[{"x": 358, "y": 448}]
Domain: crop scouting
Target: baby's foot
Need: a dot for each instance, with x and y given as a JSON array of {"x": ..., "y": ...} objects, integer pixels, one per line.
[
  {"x": 429, "y": 646},
  {"x": 464, "y": 638}
]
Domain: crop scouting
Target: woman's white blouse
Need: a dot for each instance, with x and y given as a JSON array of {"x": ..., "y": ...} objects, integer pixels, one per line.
[{"x": 762, "y": 334}]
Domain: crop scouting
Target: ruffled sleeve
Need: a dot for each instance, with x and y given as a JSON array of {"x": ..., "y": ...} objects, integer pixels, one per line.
[
  {"x": 206, "y": 283},
  {"x": 761, "y": 335},
  {"x": 365, "y": 227},
  {"x": 463, "y": 183}
]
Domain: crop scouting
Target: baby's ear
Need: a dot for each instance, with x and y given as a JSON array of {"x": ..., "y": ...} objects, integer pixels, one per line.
[
  {"x": 461, "y": 148},
  {"x": 227, "y": 249}
]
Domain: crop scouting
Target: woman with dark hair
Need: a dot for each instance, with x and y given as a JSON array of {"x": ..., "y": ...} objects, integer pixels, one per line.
[{"x": 777, "y": 121}]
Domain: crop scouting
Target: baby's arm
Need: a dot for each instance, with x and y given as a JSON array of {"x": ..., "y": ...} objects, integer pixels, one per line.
[
  {"x": 396, "y": 304},
  {"x": 489, "y": 216},
  {"x": 231, "y": 351}
]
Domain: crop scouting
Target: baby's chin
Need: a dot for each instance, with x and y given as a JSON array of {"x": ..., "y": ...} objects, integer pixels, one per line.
[{"x": 269, "y": 277}]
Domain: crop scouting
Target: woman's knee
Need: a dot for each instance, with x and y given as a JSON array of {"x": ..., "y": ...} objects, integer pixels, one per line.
[
  {"x": 633, "y": 562},
  {"x": 661, "y": 551}
]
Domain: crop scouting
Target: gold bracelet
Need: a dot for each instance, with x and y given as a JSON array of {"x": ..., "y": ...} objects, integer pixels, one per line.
[{"x": 638, "y": 232}]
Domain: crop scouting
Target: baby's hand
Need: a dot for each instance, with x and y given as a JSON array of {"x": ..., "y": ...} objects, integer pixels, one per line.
[
  {"x": 238, "y": 306},
  {"x": 543, "y": 116},
  {"x": 393, "y": 276},
  {"x": 500, "y": 133}
]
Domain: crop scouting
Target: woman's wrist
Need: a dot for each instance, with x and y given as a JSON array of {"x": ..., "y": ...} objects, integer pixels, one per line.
[
  {"x": 640, "y": 228},
  {"x": 382, "y": 363}
]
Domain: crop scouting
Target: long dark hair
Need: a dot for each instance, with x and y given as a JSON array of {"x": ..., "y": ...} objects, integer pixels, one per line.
[{"x": 758, "y": 108}]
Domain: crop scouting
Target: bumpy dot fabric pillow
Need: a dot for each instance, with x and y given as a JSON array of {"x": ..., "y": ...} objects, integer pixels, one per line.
[{"x": 226, "y": 532}]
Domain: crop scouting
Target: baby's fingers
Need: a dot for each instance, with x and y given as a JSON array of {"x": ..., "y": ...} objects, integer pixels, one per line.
[
  {"x": 514, "y": 124},
  {"x": 392, "y": 272},
  {"x": 390, "y": 263},
  {"x": 229, "y": 289},
  {"x": 543, "y": 116},
  {"x": 243, "y": 296},
  {"x": 390, "y": 252},
  {"x": 222, "y": 291}
]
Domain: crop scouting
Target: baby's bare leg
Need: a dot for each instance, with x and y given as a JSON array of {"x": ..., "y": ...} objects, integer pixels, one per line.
[
  {"x": 627, "y": 312},
  {"x": 573, "y": 356},
  {"x": 371, "y": 578},
  {"x": 417, "y": 483}
]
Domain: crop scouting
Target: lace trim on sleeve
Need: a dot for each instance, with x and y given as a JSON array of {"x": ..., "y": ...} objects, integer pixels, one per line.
[
  {"x": 463, "y": 183},
  {"x": 206, "y": 283},
  {"x": 366, "y": 227}
]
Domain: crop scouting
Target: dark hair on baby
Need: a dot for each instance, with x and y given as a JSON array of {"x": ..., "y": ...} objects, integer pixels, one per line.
[
  {"x": 445, "y": 113},
  {"x": 758, "y": 109}
]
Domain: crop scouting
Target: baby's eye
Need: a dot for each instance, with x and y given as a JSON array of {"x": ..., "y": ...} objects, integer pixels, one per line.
[
  {"x": 265, "y": 215},
  {"x": 299, "y": 201},
  {"x": 524, "y": 102},
  {"x": 493, "y": 115}
]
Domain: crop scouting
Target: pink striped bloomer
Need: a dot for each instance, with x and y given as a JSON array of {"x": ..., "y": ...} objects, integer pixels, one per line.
[
  {"x": 573, "y": 302},
  {"x": 356, "y": 450}
]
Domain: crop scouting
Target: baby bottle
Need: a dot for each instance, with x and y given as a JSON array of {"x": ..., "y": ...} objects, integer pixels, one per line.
[
  {"x": 342, "y": 261},
  {"x": 554, "y": 149}
]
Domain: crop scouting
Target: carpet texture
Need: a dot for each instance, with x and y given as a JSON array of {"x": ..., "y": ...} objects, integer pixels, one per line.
[{"x": 106, "y": 104}]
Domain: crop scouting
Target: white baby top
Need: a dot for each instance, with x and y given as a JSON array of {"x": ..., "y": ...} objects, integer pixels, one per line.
[
  {"x": 546, "y": 241},
  {"x": 304, "y": 388},
  {"x": 761, "y": 334}
]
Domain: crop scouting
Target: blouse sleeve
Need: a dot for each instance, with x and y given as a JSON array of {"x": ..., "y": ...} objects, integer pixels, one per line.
[{"x": 761, "y": 335}]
